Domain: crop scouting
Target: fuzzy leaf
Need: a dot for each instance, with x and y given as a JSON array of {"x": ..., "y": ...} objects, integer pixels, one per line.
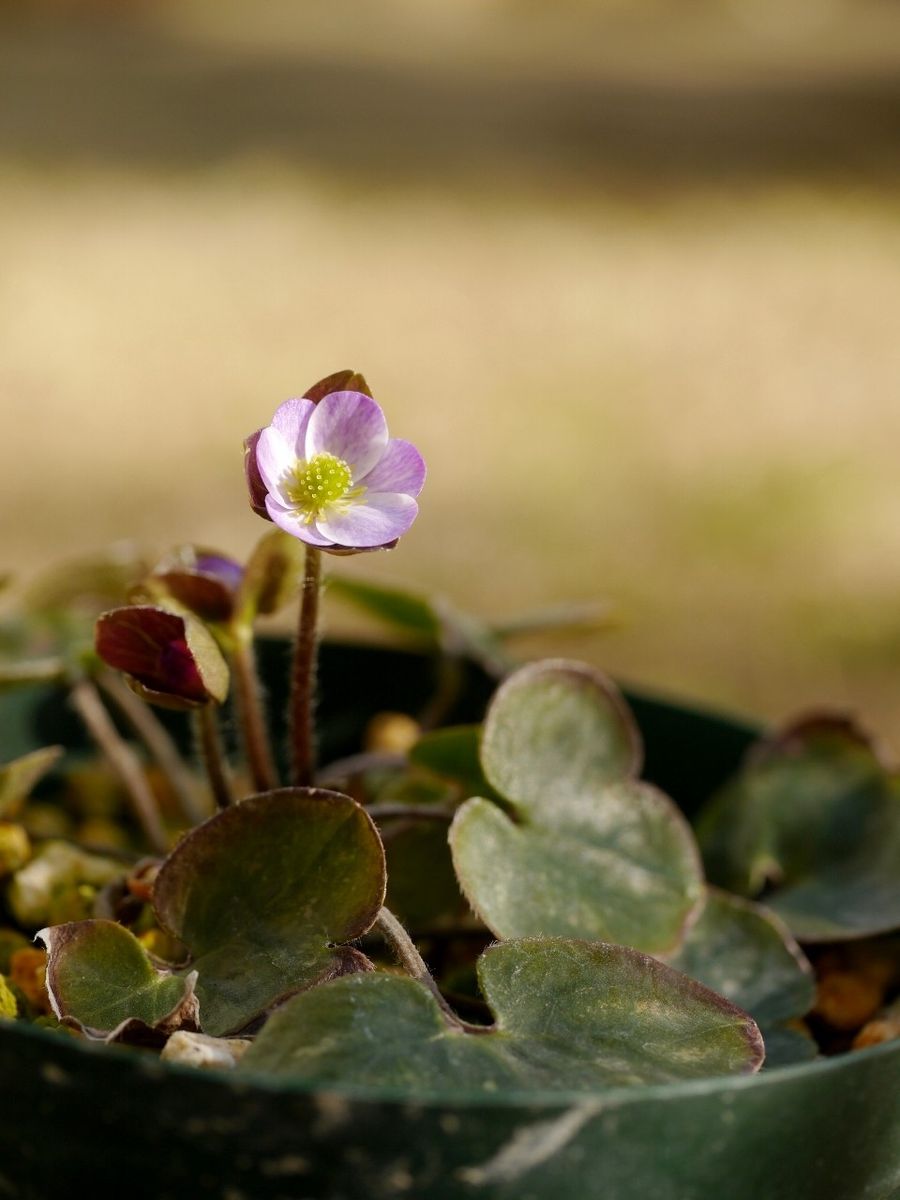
[
  {"x": 570, "y": 1016},
  {"x": 17, "y": 778},
  {"x": 264, "y": 893},
  {"x": 585, "y": 850},
  {"x": 814, "y": 817},
  {"x": 744, "y": 953},
  {"x": 100, "y": 977}
]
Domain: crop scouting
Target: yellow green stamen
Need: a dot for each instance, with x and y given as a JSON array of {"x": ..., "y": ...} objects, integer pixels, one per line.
[{"x": 315, "y": 484}]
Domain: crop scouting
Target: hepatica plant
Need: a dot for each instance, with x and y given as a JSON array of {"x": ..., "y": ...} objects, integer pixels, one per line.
[{"x": 507, "y": 905}]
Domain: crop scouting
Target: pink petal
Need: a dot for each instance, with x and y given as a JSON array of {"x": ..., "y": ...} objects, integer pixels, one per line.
[
  {"x": 350, "y": 426},
  {"x": 379, "y": 518},
  {"x": 274, "y": 457},
  {"x": 401, "y": 469},
  {"x": 291, "y": 420},
  {"x": 287, "y": 519}
]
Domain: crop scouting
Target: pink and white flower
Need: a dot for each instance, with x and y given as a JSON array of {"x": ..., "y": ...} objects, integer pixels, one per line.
[{"x": 329, "y": 474}]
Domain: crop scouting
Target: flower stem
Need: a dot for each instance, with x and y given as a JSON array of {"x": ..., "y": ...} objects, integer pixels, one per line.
[
  {"x": 159, "y": 743},
  {"x": 123, "y": 760},
  {"x": 209, "y": 740},
  {"x": 303, "y": 682},
  {"x": 411, "y": 960},
  {"x": 252, "y": 715}
]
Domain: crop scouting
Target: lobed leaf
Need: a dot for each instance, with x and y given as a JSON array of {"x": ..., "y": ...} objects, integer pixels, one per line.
[
  {"x": 570, "y": 1016},
  {"x": 814, "y": 819},
  {"x": 264, "y": 894},
  {"x": 743, "y": 952},
  {"x": 580, "y": 848}
]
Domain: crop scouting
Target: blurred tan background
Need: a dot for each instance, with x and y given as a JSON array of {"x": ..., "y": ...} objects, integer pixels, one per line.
[{"x": 628, "y": 272}]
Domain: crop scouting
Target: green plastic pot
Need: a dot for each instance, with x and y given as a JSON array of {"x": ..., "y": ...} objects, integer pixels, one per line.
[{"x": 75, "y": 1117}]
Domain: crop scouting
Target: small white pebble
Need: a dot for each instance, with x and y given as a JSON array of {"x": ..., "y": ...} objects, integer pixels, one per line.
[{"x": 198, "y": 1050}]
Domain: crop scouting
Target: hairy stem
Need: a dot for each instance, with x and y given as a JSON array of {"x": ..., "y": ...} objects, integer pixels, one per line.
[
  {"x": 209, "y": 739},
  {"x": 411, "y": 960},
  {"x": 254, "y": 727},
  {"x": 123, "y": 760},
  {"x": 303, "y": 680},
  {"x": 159, "y": 743}
]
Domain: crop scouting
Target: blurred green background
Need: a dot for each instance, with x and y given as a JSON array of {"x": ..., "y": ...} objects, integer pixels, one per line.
[{"x": 627, "y": 272}]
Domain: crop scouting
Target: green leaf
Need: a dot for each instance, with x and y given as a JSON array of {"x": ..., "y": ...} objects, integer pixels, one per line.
[
  {"x": 406, "y": 611},
  {"x": 17, "y": 778},
  {"x": 558, "y": 725},
  {"x": 453, "y": 754},
  {"x": 813, "y": 818},
  {"x": 100, "y": 977},
  {"x": 585, "y": 849},
  {"x": 271, "y": 578},
  {"x": 264, "y": 894},
  {"x": 436, "y": 622},
  {"x": 422, "y": 885},
  {"x": 744, "y": 953},
  {"x": 30, "y": 671},
  {"x": 569, "y": 1016}
]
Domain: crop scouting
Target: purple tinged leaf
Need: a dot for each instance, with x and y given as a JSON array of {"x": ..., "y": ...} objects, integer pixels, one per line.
[
  {"x": 266, "y": 893},
  {"x": 171, "y": 659},
  {"x": 256, "y": 488},
  {"x": 201, "y": 580},
  {"x": 340, "y": 381},
  {"x": 101, "y": 979}
]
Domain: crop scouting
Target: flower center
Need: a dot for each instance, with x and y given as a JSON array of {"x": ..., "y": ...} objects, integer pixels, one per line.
[{"x": 318, "y": 482}]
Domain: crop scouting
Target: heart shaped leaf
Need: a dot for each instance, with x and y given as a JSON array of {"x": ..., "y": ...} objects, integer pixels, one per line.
[
  {"x": 746, "y": 954},
  {"x": 583, "y": 849},
  {"x": 570, "y": 1015},
  {"x": 262, "y": 895},
  {"x": 814, "y": 818},
  {"x": 100, "y": 977}
]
